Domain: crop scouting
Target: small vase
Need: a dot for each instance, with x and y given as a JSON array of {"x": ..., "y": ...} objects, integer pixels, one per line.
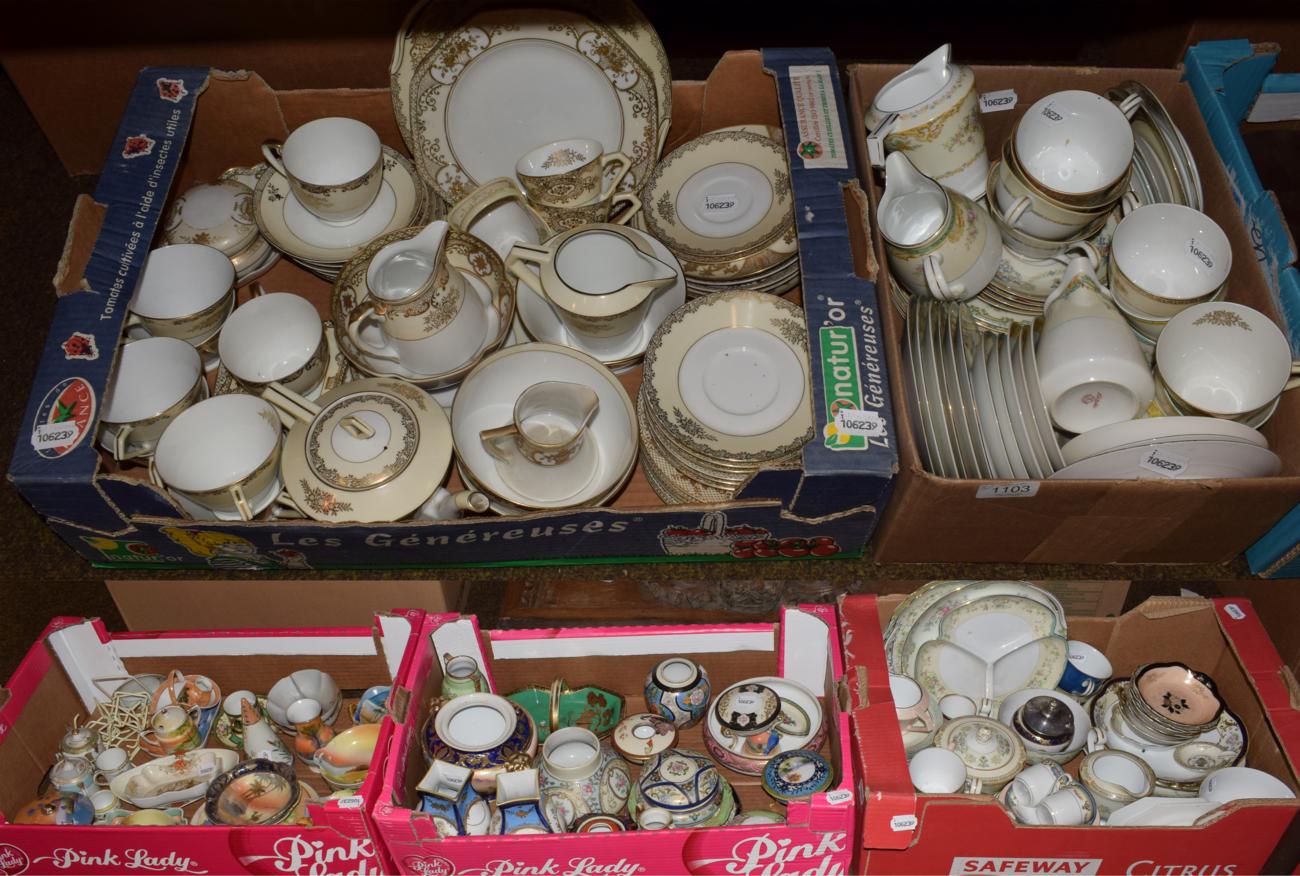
[
  {"x": 519, "y": 805},
  {"x": 313, "y": 733},
  {"x": 447, "y": 795},
  {"x": 461, "y": 675},
  {"x": 679, "y": 690},
  {"x": 578, "y": 776},
  {"x": 260, "y": 740}
]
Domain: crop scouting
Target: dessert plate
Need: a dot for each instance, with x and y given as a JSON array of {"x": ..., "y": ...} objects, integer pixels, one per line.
[
  {"x": 332, "y": 245},
  {"x": 1037, "y": 408},
  {"x": 1005, "y": 465},
  {"x": 428, "y": 22},
  {"x": 1018, "y": 411},
  {"x": 499, "y": 84},
  {"x": 1177, "y": 459},
  {"x": 721, "y": 196}
]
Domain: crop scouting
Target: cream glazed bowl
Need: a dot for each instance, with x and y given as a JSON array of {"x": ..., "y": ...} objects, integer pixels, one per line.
[{"x": 487, "y": 398}]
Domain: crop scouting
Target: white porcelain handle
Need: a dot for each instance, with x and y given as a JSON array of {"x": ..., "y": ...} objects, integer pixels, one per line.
[{"x": 937, "y": 284}]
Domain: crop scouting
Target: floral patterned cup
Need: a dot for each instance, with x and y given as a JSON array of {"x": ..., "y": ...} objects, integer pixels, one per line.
[
  {"x": 567, "y": 173},
  {"x": 334, "y": 167}
]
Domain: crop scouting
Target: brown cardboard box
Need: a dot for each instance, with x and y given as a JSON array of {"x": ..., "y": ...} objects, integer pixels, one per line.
[
  {"x": 934, "y": 519},
  {"x": 319, "y": 602},
  {"x": 1278, "y": 606}
]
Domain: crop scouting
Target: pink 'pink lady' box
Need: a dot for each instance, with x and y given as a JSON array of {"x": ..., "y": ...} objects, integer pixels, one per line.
[
  {"x": 819, "y": 836},
  {"x": 54, "y": 682}
]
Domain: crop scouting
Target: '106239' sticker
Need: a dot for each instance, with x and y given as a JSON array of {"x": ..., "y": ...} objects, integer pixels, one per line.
[{"x": 64, "y": 417}]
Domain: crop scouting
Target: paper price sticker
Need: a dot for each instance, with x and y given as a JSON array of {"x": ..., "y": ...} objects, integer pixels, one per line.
[
  {"x": 1233, "y": 610},
  {"x": 998, "y": 101},
  {"x": 354, "y": 802},
  {"x": 1021, "y": 490},
  {"x": 900, "y": 823},
  {"x": 1165, "y": 463},
  {"x": 839, "y": 798},
  {"x": 50, "y": 435},
  {"x": 850, "y": 421},
  {"x": 719, "y": 205}
]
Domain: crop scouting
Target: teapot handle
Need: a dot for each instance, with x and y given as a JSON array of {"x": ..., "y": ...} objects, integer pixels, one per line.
[{"x": 354, "y": 334}]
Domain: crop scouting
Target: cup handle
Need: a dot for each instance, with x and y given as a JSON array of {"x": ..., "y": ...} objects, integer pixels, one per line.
[
  {"x": 1129, "y": 203},
  {"x": 154, "y": 477},
  {"x": 923, "y": 723},
  {"x": 149, "y": 742},
  {"x": 974, "y": 786},
  {"x": 119, "y": 442},
  {"x": 1292, "y": 383},
  {"x": 471, "y": 500},
  {"x": 495, "y": 441},
  {"x": 1088, "y": 249},
  {"x": 1017, "y": 210},
  {"x": 241, "y": 503},
  {"x": 102, "y": 779},
  {"x": 618, "y": 158},
  {"x": 937, "y": 284},
  {"x": 354, "y": 335},
  {"x": 273, "y": 152},
  {"x": 628, "y": 200},
  {"x": 289, "y": 402},
  {"x": 256, "y": 289},
  {"x": 1130, "y": 105},
  {"x": 285, "y": 508},
  {"x": 133, "y": 320}
]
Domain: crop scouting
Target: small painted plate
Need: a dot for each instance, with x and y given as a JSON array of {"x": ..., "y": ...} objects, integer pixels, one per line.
[{"x": 796, "y": 775}]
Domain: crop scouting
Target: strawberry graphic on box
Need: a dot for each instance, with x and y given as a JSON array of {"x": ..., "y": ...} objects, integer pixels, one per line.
[
  {"x": 171, "y": 89},
  {"x": 80, "y": 345},
  {"x": 137, "y": 145}
]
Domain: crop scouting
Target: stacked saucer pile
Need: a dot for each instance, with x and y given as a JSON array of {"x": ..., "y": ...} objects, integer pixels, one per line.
[
  {"x": 723, "y": 204},
  {"x": 324, "y": 247},
  {"x": 725, "y": 392},
  {"x": 1164, "y": 171},
  {"x": 220, "y": 215}
]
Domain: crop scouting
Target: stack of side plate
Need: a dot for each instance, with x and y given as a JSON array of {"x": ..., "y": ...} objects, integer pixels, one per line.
[
  {"x": 975, "y": 397},
  {"x": 724, "y": 393},
  {"x": 723, "y": 204},
  {"x": 1164, "y": 170}
]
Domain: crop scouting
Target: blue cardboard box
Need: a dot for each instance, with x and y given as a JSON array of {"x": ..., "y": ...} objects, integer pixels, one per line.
[
  {"x": 1234, "y": 84},
  {"x": 827, "y": 508}
]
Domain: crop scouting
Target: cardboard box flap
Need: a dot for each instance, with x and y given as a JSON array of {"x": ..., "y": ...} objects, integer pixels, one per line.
[
  {"x": 846, "y": 355},
  {"x": 55, "y": 442}
]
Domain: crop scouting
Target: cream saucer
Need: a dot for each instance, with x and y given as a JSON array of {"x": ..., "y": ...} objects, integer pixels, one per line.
[
  {"x": 316, "y": 232},
  {"x": 200, "y": 512}
]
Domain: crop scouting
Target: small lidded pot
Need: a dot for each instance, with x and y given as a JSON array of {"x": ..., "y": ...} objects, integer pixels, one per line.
[
  {"x": 750, "y": 711},
  {"x": 639, "y": 737},
  {"x": 991, "y": 751},
  {"x": 1046, "y": 722},
  {"x": 685, "y": 783},
  {"x": 796, "y": 775},
  {"x": 80, "y": 742},
  {"x": 679, "y": 689}
]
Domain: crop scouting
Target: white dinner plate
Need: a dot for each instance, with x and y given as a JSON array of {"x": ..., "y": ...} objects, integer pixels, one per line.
[
  {"x": 1199, "y": 460},
  {"x": 1133, "y": 432}
]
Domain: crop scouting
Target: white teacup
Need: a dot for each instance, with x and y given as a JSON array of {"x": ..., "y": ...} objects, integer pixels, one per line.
[
  {"x": 1032, "y": 785},
  {"x": 104, "y": 801},
  {"x": 1091, "y": 370},
  {"x": 156, "y": 379},
  {"x": 1027, "y": 209},
  {"x": 1166, "y": 257},
  {"x": 954, "y": 706},
  {"x": 543, "y": 452},
  {"x": 109, "y": 764},
  {"x": 221, "y": 457},
  {"x": 275, "y": 338},
  {"x": 1074, "y": 144},
  {"x": 1071, "y": 805},
  {"x": 937, "y": 771},
  {"x": 1224, "y": 359},
  {"x": 186, "y": 292},
  {"x": 334, "y": 166},
  {"x": 911, "y": 704}
]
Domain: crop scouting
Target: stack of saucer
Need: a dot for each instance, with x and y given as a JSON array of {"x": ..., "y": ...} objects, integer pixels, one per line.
[
  {"x": 220, "y": 215},
  {"x": 723, "y": 204},
  {"x": 324, "y": 247},
  {"x": 725, "y": 392}
]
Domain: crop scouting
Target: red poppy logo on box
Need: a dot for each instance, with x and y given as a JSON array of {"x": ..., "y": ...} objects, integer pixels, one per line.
[
  {"x": 64, "y": 417},
  {"x": 171, "y": 89},
  {"x": 429, "y": 866},
  {"x": 13, "y": 860},
  {"x": 80, "y": 345},
  {"x": 137, "y": 145}
]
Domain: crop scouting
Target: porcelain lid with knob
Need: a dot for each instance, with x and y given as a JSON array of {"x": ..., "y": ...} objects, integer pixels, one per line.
[
  {"x": 641, "y": 736},
  {"x": 219, "y": 215},
  {"x": 748, "y": 709},
  {"x": 679, "y": 780},
  {"x": 336, "y": 471},
  {"x": 990, "y": 750}
]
